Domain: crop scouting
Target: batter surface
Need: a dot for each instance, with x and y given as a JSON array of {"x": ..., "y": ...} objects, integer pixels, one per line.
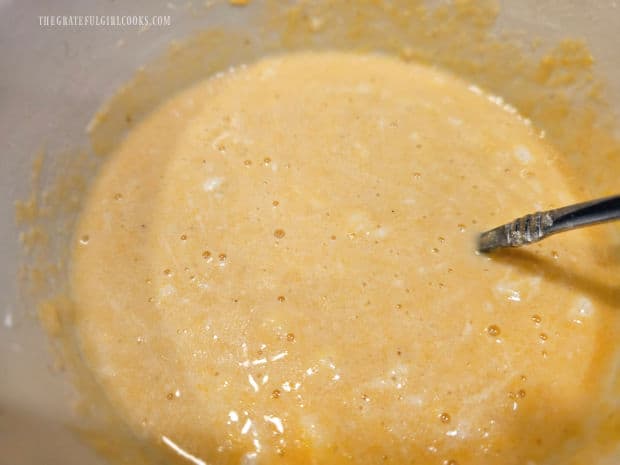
[{"x": 278, "y": 266}]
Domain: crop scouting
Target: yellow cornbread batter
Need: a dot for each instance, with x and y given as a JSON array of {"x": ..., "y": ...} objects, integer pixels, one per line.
[{"x": 278, "y": 266}]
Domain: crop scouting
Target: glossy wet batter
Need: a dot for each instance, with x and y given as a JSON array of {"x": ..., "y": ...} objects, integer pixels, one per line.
[{"x": 278, "y": 266}]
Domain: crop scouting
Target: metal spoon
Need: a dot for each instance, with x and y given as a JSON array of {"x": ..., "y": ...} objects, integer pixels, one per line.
[{"x": 536, "y": 226}]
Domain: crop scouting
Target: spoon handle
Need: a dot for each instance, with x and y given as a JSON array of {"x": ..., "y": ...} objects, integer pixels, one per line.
[{"x": 537, "y": 226}]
